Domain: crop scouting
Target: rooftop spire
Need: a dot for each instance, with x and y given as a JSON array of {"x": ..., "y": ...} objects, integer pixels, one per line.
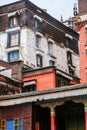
[
  {"x": 75, "y": 9},
  {"x": 61, "y": 18}
]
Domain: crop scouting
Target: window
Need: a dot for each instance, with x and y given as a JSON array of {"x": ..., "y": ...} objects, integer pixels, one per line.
[
  {"x": 13, "y": 39},
  {"x": 14, "y": 20},
  {"x": 38, "y": 24},
  {"x": 11, "y": 124},
  {"x": 69, "y": 58},
  {"x": 38, "y": 40},
  {"x": 50, "y": 48},
  {"x": 13, "y": 55},
  {"x": 61, "y": 81},
  {"x": 71, "y": 70},
  {"x": 51, "y": 62},
  {"x": 3, "y": 124},
  {"x": 70, "y": 65},
  {"x": 17, "y": 124},
  {"x": 39, "y": 60},
  {"x": 29, "y": 88},
  {"x": 86, "y": 30}
]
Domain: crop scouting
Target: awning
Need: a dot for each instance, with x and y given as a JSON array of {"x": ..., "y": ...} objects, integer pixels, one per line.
[{"x": 29, "y": 83}]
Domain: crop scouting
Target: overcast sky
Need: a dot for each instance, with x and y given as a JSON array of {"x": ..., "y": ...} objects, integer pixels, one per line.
[{"x": 55, "y": 8}]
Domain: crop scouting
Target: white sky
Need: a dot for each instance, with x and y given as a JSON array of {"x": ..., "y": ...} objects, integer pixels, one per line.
[{"x": 55, "y": 8}]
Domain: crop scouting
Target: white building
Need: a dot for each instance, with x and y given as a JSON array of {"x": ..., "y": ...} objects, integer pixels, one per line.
[{"x": 29, "y": 34}]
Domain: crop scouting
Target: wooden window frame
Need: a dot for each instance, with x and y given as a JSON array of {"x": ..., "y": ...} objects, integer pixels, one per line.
[
  {"x": 17, "y": 124},
  {"x": 3, "y": 127}
]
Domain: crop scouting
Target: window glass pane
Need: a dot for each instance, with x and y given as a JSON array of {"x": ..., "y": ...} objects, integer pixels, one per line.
[
  {"x": 20, "y": 128},
  {"x": 10, "y": 124},
  {"x": 3, "y": 123},
  {"x": 38, "y": 40},
  {"x": 16, "y": 121},
  {"x": 13, "y": 55},
  {"x": 14, "y": 39},
  {"x": 16, "y": 127},
  {"x": 13, "y": 21},
  {"x": 50, "y": 48},
  {"x": 39, "y": 60},
  {"x": 69, "y": 57},
  {"x": 20, "y": 121},
  {"x": 51, "y": 63}
]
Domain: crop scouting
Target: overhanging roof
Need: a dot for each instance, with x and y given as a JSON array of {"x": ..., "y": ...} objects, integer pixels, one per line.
[{"x": 60, "y": 93}]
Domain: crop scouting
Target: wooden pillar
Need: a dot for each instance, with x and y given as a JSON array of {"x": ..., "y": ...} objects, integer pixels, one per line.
[{"x": 52, "y": 117}]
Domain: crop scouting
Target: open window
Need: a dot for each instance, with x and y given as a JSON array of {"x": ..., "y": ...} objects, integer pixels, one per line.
[{"x": 29, "y": 86}]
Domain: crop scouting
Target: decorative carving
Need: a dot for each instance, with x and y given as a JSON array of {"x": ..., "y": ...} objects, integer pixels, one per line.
[
  {"x": 54, "y": 104},
  {"x": 78, "y": 101},
  {"x": 52, "y": 110},
  {"x": 85, "y": 104},
  {"x": 84, "y": 101}
]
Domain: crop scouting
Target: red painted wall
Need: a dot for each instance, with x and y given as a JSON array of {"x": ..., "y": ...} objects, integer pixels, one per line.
[
  {"x": 44, "y": 79},
  {"x": 83, "y": 56}
]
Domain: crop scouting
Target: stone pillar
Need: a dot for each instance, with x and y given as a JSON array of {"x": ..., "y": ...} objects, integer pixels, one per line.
[
  {"x": 52, "y": 117},
  {"x": 85, "y": 108}
]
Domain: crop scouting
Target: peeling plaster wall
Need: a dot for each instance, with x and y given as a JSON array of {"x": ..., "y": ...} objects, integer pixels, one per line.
[
  {"x": 3, "y": 44},
  {"x": 75, "y": 59},
  {"x": 28, "y": 51}
]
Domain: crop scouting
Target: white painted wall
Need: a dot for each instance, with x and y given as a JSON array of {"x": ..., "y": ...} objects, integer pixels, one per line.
[
  {"x": 3, "y": 45},
  {"x": 28, "y": 51}
]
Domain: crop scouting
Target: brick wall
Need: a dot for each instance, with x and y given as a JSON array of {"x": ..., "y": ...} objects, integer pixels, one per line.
[
  {"x": 83, "y": 56},
  {"x": 45, "y": 79}
]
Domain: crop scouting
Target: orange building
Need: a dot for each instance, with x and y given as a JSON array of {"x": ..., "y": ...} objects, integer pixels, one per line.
[
  {"x": 46, "y": 78},
  {"x": 81, "y": 23},
  {"x": 39, "y": 79}
]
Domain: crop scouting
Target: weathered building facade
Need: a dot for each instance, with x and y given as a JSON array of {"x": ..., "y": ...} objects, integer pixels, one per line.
[
  {"x": 52, "y": 109},
  {"x": 50, "y": 54},
  {"x": 29, "y": 34}
]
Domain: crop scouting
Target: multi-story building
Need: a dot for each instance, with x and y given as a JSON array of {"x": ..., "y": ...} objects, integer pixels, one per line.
[
  {"x": 81, "y": 22},
  {"x": 50, "y": 54},
  {"x": 30, "y": 34}
]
